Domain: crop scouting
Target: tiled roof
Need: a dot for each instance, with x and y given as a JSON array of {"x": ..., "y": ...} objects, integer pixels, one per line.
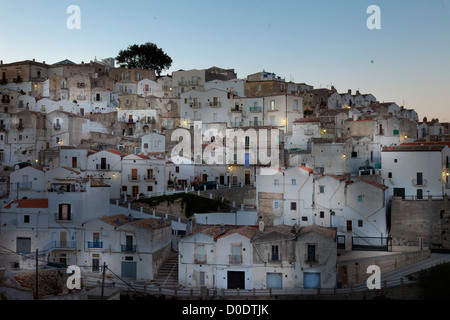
[
  {"x": 28, "y": 203},
  {"x": 328, "y": 232},
  {"x": 378, "y": 185}
]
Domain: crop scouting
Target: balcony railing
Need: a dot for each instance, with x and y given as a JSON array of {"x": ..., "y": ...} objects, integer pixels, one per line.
[
  {"x": 99, "y": 166},
  {"x": 132, "y": 177},
  {"x": 196, "y": 105},
  {"x": 128, "y": 248},
  {"x": 274, "y": 258},
  {"x": 25, "y": 185},
  {"x": 57, "y": 127},
  {"x": 312, "y": 258},
  {"x": 236, "y": 109},
  {"x": 95, "y": 244},
  {"x": 255, "y": 109},
  {"x": 60, "y": 245},
  {"x": 60, "y": 217},
  {"x": 149, "y": 178},
  {"x": 215, "y": 104},
  {"x": 422, "y": 183},
  {"x": 235, "y": 258},
  {"x": 200, "y": 258}
]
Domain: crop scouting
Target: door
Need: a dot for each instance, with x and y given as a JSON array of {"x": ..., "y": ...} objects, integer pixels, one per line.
[
  {"x": 274, "y": 281},
  {"x": 129, "y": 269},
  {"x": 236, "y": 279},
  {"x": 74, "y": 162},
  {"x": 311, "y": 280},
  {"x": 103, "y": 163},
  {"x": 134, "y": 191},
  {"x": 23, "y": 245},
  {"x": 247, "y": 177},
  {"x": 63, "y": 239}
]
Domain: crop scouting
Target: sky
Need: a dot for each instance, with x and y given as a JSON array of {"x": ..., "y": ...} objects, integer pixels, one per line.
[{"x": 318, "y": 42}]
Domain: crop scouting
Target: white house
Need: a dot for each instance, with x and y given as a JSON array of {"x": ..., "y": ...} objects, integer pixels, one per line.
[
  {"x": 417, "y": 170},
  {"x": 130, "y": 247},
  {"x": 107, "y": 164},
  {"x": 217, "y": 257}
]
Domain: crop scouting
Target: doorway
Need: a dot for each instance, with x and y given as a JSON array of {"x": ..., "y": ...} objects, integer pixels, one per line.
[{"x": 236, "y": 279}]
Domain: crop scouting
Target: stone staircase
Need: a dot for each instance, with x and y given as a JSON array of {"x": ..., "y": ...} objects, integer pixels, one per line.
[{"x": 167, "y": 276}]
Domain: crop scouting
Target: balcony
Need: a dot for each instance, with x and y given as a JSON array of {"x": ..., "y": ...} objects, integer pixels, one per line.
[
  {"x": 195, "y": 105},
  {"x": 132, "y": 177},
  {"x": 63, "y": 217},
  {"x": 61, "y": 245},
  {"x": 255, "y": 109},
  {"x": 56, "y": 127},
  {"x": 215, "y": 104},
  {"x": 128, "y": 248},
  {"x": 274, "y": 258},
  {"x": 17, "y": 80},
  {"x": 236, "y": 109},
  {"x": 103, "y": 166},
  {"x": 419, "y": 183},
  {"x": 95, "y": 244},
  {"x": 199, "y": 258},
  {"x": 312, "y": 258},
  {"x": 235, "y": 258},
  {"x": 81, "y": 85},
  {"x": 24, "y": 185},
  {"x": 149, "y": 178}
]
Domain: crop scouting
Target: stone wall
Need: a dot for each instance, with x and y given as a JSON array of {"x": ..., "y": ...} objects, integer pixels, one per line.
[{"x": 410, "y": 222}]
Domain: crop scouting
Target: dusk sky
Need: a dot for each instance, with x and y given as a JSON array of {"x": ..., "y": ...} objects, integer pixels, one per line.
[{"x": 321, "y": 43}]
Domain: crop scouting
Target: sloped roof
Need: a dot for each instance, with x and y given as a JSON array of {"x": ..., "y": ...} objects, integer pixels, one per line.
[{"x": 29, "y": 203}]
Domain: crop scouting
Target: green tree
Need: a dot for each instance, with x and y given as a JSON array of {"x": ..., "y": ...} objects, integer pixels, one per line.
[{"x": 145, "y": 56}]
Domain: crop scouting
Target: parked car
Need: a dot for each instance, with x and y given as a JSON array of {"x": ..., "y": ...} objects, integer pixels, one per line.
[
  {"x": 209, "y": 185},
  {"x": 366, "y": 170}
]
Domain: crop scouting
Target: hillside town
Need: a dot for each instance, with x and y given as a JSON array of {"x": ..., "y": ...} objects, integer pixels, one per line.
[{"x": 200, "y": 180}]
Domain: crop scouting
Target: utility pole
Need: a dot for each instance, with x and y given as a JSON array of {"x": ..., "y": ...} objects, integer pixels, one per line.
[
  {"x": 37, "y": 272},
  {"x": 103, "y": 280}
]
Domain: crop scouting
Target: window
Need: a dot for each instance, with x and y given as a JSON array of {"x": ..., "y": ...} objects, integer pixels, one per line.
[
  {"x": 390, "y": 175},
  {"x": 322, "y": 189},
  {"x": 272, "y": 104},
  {"x": 276, "y": 205},
  {"x": 272, "y": 120},
  {"x": 235, "y": 253},
  {"x": 64, "y": 212},
  {"x": 419, "y": 194},
  {"x": 275, "y": 253},
  {"x": 26, "y": 219},
  {"x": 395, "y": 160},
  {"x": 419, "y": 178},
  {"x": 349, "y": 225},
  {"x": 360, "y": 198},
  {"x": 124, "y": 188},
  {"x": 275, "y": 182},
  {"x": 322, "y": 214},
  {"x": 294, "y": 182},
  {"x": 149, "y": 188},
  {"x": 295, "y": 104},
  {"x": 360, "y": 223},
  {"x": 311, "y": 255},
  {"x": 354, "y": 154},
  {"x": 304, "y": 218},
  {"x": 294, "y": 206}
]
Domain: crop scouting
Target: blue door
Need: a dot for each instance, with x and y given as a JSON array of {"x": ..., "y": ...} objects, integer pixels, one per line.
[
  {"x": 274, "y": 281},
  {"x": 311, "y": 280},
  {"x": 129, "y": 269}
]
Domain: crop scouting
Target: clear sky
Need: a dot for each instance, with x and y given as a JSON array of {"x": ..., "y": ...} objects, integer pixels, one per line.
[{"x": 319, "y": 42}]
